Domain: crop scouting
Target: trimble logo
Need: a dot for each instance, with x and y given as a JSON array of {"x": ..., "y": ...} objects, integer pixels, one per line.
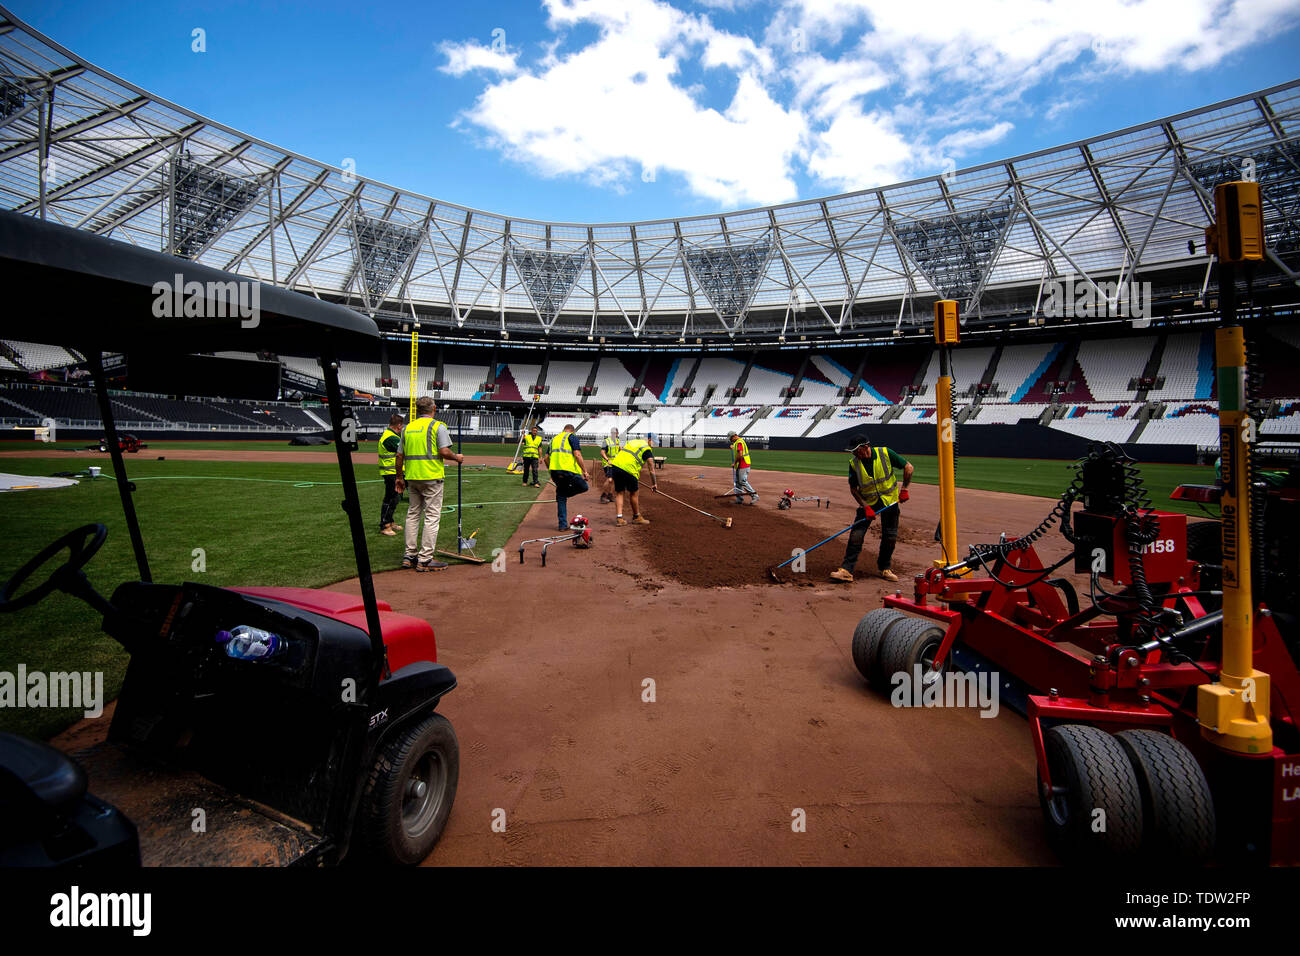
[{"x": 1086, "y": 299}]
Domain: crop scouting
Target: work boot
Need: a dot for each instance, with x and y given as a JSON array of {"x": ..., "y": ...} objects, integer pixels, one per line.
[
  {"x": 640, "y": 520},
  {"x": 408, "y": 562},
  {"x": 888, "y": 575},
  {"x": 839, "y": 574},
  {"x": 621, "y": 523},
  {"x": 432, "y": 566}
]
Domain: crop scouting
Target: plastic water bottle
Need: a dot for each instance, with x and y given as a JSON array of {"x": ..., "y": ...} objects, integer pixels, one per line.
[{"x": 250, "y": 643}]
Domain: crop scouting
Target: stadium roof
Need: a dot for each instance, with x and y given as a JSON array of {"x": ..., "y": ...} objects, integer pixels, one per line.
[{"x": 81, "y": 147}]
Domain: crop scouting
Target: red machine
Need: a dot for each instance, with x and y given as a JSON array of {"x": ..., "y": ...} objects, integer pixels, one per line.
[{"x": 1112, "y": 701}]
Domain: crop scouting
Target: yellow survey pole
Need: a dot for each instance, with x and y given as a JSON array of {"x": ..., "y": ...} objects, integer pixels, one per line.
[
  {"x": 415, "y": 352},
  {"x": 946, "y": 332},
  {"x": 1234, "y": 712}
]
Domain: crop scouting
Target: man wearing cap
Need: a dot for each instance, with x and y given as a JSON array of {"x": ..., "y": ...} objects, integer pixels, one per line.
[
  {"x": 873, "y": 482},
  {"x": 530, "y": 455},
  {"x": 740, "y": 469}
]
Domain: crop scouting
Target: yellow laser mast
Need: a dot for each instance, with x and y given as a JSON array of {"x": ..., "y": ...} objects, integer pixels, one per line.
[{"x": 946, "y": 333}]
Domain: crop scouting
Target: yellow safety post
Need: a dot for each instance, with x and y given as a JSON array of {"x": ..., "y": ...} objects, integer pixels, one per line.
[
  {"x": 1234, "y": 711},
  {"x": 415, "y": 352},
  {"x": 946, "y": 332}
]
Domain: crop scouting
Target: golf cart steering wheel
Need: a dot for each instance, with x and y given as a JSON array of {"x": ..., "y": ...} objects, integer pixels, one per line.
[{"x": 83, "y": 542}]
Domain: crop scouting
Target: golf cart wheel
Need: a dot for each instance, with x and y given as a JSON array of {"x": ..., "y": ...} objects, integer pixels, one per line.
[
  {"x": 866, "y": 641},
  {"x": 913, "y": 642},
  {"x": 1094, "y": 810},
  {"x": 410, "y": 791},
  {"x": 1177, "y": 809},
  {"x": 1205, "y": 546}
]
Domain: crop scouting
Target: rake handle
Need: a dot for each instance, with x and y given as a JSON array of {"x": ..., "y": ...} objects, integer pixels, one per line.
[{"x": 685, "y": 505}]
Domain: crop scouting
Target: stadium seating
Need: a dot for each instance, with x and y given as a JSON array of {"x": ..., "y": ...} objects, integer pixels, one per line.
[
  {"x": 1187, "y": 367},
  {"x": 1018, "y": 369},
  {"x": 613, "y": 378},
  {"x": 37, "y": 357},
  {"x": 1110, "y": 365},
  {"x": 564, "y": 380}
]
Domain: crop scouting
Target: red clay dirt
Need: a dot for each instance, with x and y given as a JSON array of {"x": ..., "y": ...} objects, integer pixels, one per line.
[{"x": 757, "y": 714}]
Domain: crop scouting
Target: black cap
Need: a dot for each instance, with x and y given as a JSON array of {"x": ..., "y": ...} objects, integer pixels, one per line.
[{"x": 858, "y": 439}]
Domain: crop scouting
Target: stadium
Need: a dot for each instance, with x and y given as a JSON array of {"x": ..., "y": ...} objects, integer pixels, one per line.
[{"x": 713, "y": 678}]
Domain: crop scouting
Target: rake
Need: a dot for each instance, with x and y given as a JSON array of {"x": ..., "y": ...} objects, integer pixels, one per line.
[
  {"x": 771, "y": 572},
  {"x": 726, "y": 522}
]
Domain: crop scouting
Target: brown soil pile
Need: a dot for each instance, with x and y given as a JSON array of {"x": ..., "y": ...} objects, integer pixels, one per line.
[{"x": 699, "y": 552}]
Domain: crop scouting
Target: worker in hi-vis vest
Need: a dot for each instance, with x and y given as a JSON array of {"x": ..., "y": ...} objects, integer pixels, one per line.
[
  {"x": 390, "y": 442},
  {"x": 530, "y": 455},
  {"x": 611, "y": 447},
  {"x": 568, "y": 472},
  {"x": 631, "y": 458},
  {"x": 740, "y": 464},
  {"x": 874, "y": 484},
  {"x": 426, "y": 443}
]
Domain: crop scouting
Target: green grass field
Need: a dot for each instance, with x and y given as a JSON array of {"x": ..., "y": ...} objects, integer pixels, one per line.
[{"x": 281, "y": 524}]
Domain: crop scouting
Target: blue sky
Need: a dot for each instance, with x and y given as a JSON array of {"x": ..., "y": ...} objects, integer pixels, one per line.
[{"x": 603, "y": 111}]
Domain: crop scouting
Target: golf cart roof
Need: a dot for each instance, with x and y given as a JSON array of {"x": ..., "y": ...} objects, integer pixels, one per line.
[{"x": 69, "y": 287}]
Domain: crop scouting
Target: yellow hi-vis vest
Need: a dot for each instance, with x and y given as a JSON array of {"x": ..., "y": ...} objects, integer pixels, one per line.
[
  {"x": 879, "y": 486},
  {"x": 420, "y": 450},
  {"x": 562, "y": 455},
  {"x": 531, "y": 445},
  {"x": 612, "y": 448},
  {"x": 629, "y": 456},
  {"x": 387, "y": 459},
  {"x": 740, "y": 446}
]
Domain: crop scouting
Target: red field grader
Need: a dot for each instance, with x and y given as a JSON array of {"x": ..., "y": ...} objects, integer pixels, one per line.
[{"x": 1163, "y": 708}]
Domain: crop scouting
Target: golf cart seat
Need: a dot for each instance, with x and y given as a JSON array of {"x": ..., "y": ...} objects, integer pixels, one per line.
[
  {"x": 329, "y": 603},
  {"x": 50, "y": 819},
  {"x": 43, "y": 773}
]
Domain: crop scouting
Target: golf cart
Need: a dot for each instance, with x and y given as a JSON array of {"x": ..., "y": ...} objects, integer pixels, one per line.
[{"x": 326, "y": 747}]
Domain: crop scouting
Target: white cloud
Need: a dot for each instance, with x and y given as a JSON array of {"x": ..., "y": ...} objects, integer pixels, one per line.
[
  {"x": 467, "y": 56},
  {"x": 850, "y": 93}
]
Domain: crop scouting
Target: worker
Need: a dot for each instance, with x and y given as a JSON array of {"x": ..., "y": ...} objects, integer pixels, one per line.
[
  {"x": 529, "y": 456},
  {"x": 426, "y": 443},
  {"x": 568, "y": 472},
  {"x": 740, "y": 464},
  {"x": 390, "y": 442},
  {"x": 873, "y": 482},
  {"x": 627, "y": 464},
  {"x": 608, "y": 450}
]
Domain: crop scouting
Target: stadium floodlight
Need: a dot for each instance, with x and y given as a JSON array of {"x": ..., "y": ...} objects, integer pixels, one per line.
[
  {"x": 548, "y": 277},
  {"x": 204, "y": 201},
  {"x": 730, "y": 274},
  {"x": 955, "y": 251},
  {"x": 383, "y": 249}
]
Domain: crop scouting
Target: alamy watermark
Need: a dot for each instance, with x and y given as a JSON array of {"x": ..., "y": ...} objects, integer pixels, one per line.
[
  {"x": 82, "y": 690},
  {"x": 1075, "y": 297},
  {"x": 238, "y": 298},
  {"x": 945, "y": 688}
]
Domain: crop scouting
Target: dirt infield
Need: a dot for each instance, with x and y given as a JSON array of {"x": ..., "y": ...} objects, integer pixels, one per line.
[
  {"x": 699, "y": 552},
  {"x": 656, "y": 700}
]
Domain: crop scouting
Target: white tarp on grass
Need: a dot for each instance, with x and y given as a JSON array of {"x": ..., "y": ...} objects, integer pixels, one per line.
[{"x": 26, "y": 482}]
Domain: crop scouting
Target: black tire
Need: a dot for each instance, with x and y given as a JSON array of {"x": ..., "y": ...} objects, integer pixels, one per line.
[
  {"x": 910, "y": 643},
  {"x": 1090, "y": 772},
  {"x": 1177, "y": 808},
  {"x": 866, "y": 641},
  {"x": 1205, "y": 545},
  {"x": 783, "y": 504},
  {"x": 400, "y": 824}
]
